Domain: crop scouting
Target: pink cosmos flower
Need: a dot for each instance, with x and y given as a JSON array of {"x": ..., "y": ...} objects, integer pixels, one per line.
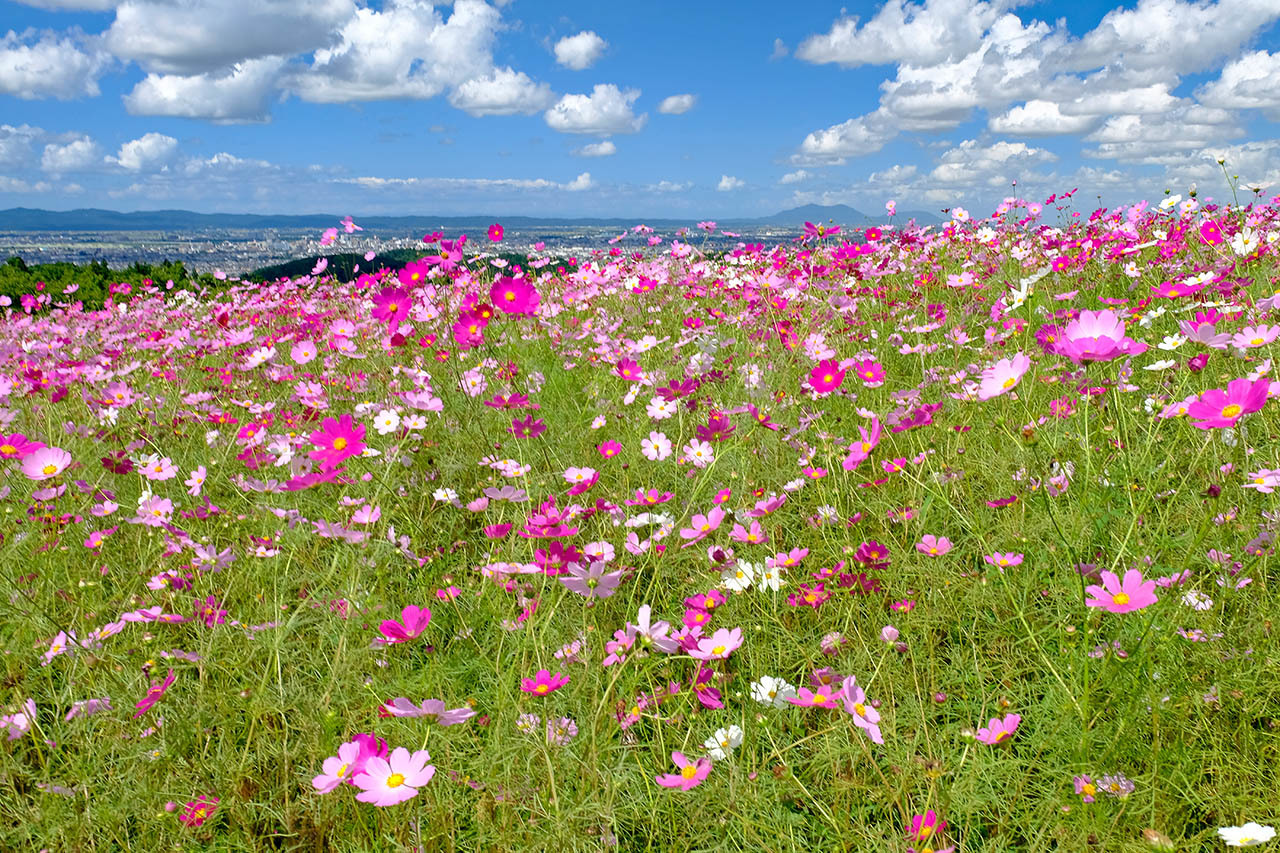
[
  {"x": 340, "y": 768},
  {"x": 826, "y": 376},
  {"x": 1251, "y": 337},
  {"x": 1003, "y": 376},
  {"x": 46, "y": 463},
  {"x": 1097, "y": 336},
  {"x": 702, "y": 526},
  {"x": 925, "y": 826},
  {"x": 1217, "y": 408},
  {"x": 821, "y": 698},
  {"x": 199, "y": 810},
  {"x": 691, "y": 773},
  {"x": 514, "y": 295},
  {"x": 431, "y": 709},
  {"x": 391, "y": 306},
  {"x": 414, "y": 621},
  {"x": 934, "y": 546},
  {"x": 1115, "y": 596},
  {"x": 17, "y": 446},
  {"x": 1002, "y": 560},
  {"x": 718, "y": 646},
  {"x": 153, "y": 695},
  {"x": 387, "y": 782},
  {"x": 495, "y": 232},
  {"x": 543, "y": 683},
  {"x": 303, "y": 352},
  {"x": 860, "y": 451},
  {"x": 337, "y": 440},
  {"x": 865, "y": 717},
  {"x": 998, "y": 731}
]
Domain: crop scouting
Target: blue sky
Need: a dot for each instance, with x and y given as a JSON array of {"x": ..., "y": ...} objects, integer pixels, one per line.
[{"x": 640, "y": 109}]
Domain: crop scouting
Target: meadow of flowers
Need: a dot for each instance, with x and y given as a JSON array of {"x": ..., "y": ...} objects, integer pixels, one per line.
[{"x": 913, "y": 539}]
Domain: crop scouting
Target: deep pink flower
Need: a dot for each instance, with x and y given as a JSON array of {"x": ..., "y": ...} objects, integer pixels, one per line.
[
  {"x": 543, "y": 683},
  {"x": 514, "y": 295},
  {"x": 199, "y": 810},
  {"x": 826, "y": 376},
  {"x": 17, "y": 446},
  {"x": 495, "y": 232},
  {"x": 925, "y": 826},
  {"x": 414, "y": 621},
  {"x": 337, "y": 440},
  {"x": 1116, "y": 596},
  {"x": 391, "y": 305},
  {"x": 1217, "y": 408},
  {"x": 153, "y": 695},
  {"x": 860, "y": 451}
]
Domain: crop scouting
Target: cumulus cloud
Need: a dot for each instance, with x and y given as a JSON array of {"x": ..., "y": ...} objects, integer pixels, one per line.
[
  {"x": 580, "y": 51},
  {"x": 16, "y": 143},
  {"x": 1039, "y": 118},
  {"x": 152, "y": 151},
  {"x": 794, "y": 177},
  {"x": 200, "y": 36},
  {"x": 1247, "y": 82},
  {"x": 242, "y": 94},
  {"x": 970, "y": 164},
  {"x": 675, "y": 105},
  {"x": 49, "y": 65},
  {"x": 1162, "y": 139},
  {"x": 17, "y": 185},
  {"x": 670, "y": 187},
  {"x": 597, "y": 149},
  {"x": 604, "y": 112},
  {"x": 501, "y": 93},
  {"x": 728, "y": 183},
  {"x": 77, "y": 155}
]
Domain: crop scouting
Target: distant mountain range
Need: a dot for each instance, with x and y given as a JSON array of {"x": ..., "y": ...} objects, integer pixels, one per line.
[{"x": 94, "y": 219}]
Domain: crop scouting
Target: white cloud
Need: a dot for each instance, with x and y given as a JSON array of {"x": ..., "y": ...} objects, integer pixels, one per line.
[
  {"x": 580, "y": 51},
  {"x": 77, "y": 155},
  {"x": 1171, "y": 36},
  {"x": 670, "y": 187},
  {"x": 16, "y": 143},
  {"x": 50, "y": 66},
  {"x": 150, "y": 152},
  {"x": 580, "y": 183},
  {"x": 675, "y": 105},
  {"x": 794, "y": 177},
  {"x": 604, "y": 112},
  {"x": 17, "y": 185},
  {"x": 970, "y": 164},
  {"x": 501, "y": 93},
  {"x": 597, "y": 149},
  {"x": 1039, "y": 118},
  {"x": 471, "y": 185},
  {"x": 853, "y": 138},
  {"x": 196, "y": 36},
  {"x": 779, "y": 50},
  {"x": 1247, "y": 82},
  {"x": 1162, "y": 139},
  {"x": 728, "y": 183},
  {"x": 241, "y": 95},
  {"x": 937, "y": 32},
  {"x": 406, "y": 50}
]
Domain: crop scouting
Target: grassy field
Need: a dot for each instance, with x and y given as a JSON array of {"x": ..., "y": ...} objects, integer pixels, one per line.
[{"x": 906, "y": 539}]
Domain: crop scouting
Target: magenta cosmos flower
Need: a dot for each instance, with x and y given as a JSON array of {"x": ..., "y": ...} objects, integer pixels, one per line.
[
  {"x": 691, "y": 773},
  {"x": 1003, "y": 376},
  {"x": 860, "y": 451},
  {"x": 392, "y": 305},
  {"x": 998, "y": 731},
  {"x": 1097, "y": 336},
  {"x": 337, "y": 441},
  {"x": 17, "y": 446},
  {"x": 543, "y": 683},
  {"x": 514, "y": 295},
  {"x": 46, "y": 463},
  {"x": 1116, "y": 596},
  {"x": 826, "y": 376},
  {"x": 925, "y": 826},
  {"x": 413, "y": 621},
  {"x": 1217, "y": 408},
  {"x": 386, "y": 782}
]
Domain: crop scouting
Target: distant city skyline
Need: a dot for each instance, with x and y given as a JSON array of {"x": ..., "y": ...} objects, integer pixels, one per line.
[{"x": 631, "y": 110}]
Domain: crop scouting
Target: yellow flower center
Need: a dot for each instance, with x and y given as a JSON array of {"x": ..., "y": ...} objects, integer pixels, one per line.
[
  {"x": 1257, "y": 342},
  {"x": 1120, "y": 598},
  {"x": 393, "y": 307},
  {"x": 342, "y": 771},
  {"x": 827, "y": 379},
  {"x": 50, "y": 470},
  {"x": 861, "y": 711},
  {"x": 820, "y": 698},
  {"x": 1089, "y": 790},
  {"x": 1231, "y": 411},
  {"x": 510, "y": 296},
  {"x": 8, "y": 450},
  {"x": 339, "y": 443},
  {"x": 395, "y": 780},
  {"x": 925, "y": 831},
  {"x": 689, "y": 771},
  {"x": 718, "y": 650},
  {"x": 541, "y": 688},
  {"x": 1010, "y": 382}
]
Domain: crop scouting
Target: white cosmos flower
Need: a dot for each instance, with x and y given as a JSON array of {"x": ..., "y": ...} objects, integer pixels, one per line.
[{"x": 1250, "y": 835}]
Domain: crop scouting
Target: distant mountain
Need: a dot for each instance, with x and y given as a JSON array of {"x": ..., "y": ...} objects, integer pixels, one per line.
[{"x": 94, "y": 219}]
